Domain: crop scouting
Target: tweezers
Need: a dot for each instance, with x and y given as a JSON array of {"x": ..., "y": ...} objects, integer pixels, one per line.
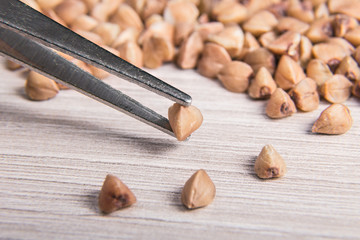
[{"x": 26, "y": 34}]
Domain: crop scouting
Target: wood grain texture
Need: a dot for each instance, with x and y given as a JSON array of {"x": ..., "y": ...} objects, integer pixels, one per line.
[{"x": 54, "y": 156}]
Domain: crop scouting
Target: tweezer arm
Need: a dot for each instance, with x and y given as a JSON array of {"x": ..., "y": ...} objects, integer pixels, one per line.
[
  {"x": 41, "y": 59},
  {"x": 25, "y": 20}
]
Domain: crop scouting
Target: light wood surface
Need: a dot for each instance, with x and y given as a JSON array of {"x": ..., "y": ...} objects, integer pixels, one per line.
[{"x": 54, "y": 156}]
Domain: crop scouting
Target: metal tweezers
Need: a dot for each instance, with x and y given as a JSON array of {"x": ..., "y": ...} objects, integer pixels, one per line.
[{"x": 26, "y": 34}]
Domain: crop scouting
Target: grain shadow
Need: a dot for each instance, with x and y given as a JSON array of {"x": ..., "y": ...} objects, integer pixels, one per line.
[
  {"x": 250, "y": 167},
  {"x": 21, "y": 92},
  {"x": 309, "y": 131},
  {"x": 175, "y": 199},
  {"x": 91, "y": 201}
]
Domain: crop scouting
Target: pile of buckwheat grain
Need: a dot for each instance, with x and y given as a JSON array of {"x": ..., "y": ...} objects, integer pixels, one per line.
[{"x": 291, "y": 52}]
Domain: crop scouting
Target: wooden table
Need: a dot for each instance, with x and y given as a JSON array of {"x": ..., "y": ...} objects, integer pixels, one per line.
[{"x": 54, "y": 156}]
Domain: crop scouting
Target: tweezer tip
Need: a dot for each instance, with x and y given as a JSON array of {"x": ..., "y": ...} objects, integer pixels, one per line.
[{"x": 187, "y": 100}]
